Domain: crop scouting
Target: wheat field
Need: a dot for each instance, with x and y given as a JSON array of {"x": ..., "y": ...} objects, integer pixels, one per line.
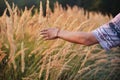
[{"x": 24, "y": 55}]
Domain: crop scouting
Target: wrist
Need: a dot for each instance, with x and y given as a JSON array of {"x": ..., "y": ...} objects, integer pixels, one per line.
[{"x": 58, "y": 33}]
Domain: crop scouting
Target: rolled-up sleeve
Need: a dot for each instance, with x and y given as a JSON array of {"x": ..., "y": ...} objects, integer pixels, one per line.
[{"x": 106, "y": 36}]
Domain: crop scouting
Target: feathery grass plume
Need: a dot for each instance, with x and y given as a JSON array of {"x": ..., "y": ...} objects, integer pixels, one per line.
[
  {"x": 48, "y": 11},
  {"x": 10, "y": 10},
  {"x": 20, "y": 52},
  {"x": 3, "y": 27},
  {"x": 85, "y": 59},
  {"x": 2, "y": 55},
  {"x": 72, "y": 24},
  {"x": 41, "y": 13},
  {"x": 81, "y": 25},
  {"x": 22, "y": 58},
  {"x": 11, "y": 41},
  {"x": 41, "y": 71},
  {"x": 67, "y": 20},
  {"x": 48, "y": 69},
  {"x": 57, "y": 20},
  {"x": 16, "y": 16}
]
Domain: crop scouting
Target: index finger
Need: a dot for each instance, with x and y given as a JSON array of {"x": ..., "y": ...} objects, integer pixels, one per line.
[{"x": 44, "y": 30}]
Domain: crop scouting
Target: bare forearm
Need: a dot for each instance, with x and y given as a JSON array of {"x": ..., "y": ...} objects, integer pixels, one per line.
[{"x": 77, "y": 37}]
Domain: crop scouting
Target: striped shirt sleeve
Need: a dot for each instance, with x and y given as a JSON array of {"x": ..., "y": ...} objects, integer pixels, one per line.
[{"x": 106, "y": 36}]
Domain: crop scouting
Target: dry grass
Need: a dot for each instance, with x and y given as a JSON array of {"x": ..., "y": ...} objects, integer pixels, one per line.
[{"x": 31, "y": 58}]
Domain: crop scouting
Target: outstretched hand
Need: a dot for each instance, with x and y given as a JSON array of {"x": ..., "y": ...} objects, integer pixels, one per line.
[{"x": 50, "y": 33}]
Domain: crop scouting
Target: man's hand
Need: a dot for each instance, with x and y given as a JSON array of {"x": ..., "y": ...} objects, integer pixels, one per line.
[{"x": 50, "y": 33}]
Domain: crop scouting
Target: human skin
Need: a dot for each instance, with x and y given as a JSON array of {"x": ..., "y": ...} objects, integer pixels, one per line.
[{"x": 84, "y": 38}]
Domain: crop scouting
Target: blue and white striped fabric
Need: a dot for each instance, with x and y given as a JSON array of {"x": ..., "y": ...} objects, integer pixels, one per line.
[{"x": 108, "y": 34}]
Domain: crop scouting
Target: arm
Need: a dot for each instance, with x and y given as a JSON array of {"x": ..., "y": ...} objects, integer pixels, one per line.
[
  {"x": 75, "y": 37},
  {"x": 78, "y": 37}
]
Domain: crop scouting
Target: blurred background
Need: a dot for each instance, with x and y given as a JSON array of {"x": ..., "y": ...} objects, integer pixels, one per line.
[{"x": 104, "y": 6}]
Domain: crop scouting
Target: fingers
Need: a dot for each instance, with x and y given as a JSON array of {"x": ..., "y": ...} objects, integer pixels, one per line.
[
  {"x": 46, "y": 37},
  {"x": 44, "y": 32}
]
